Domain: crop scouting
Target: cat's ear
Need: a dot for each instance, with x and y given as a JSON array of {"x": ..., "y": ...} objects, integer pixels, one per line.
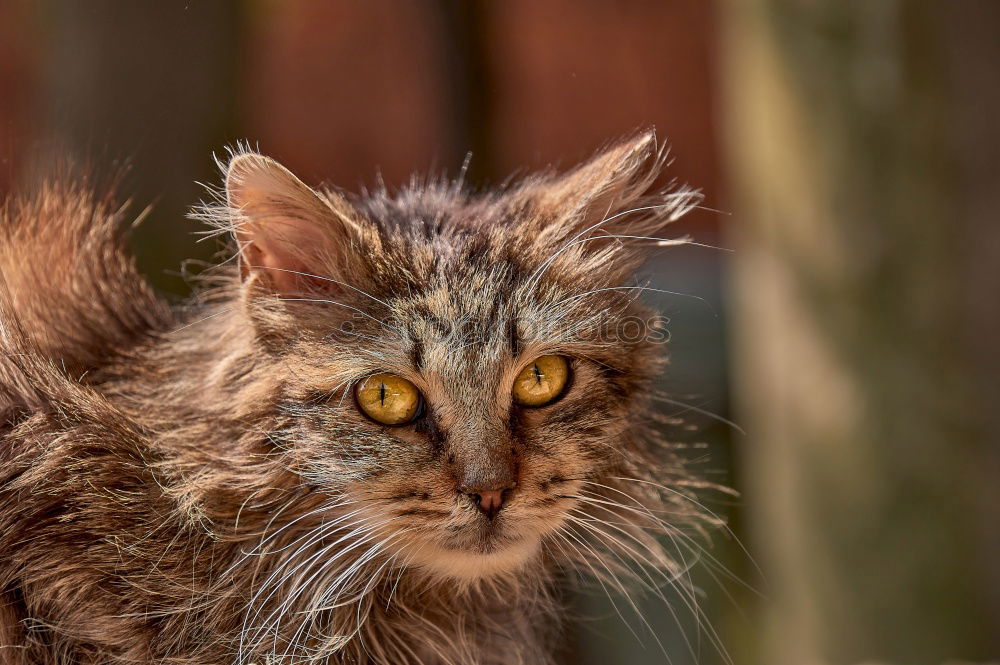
[
  {"x": 599, "y": 191},
  {"x": 289, "y": 236}
]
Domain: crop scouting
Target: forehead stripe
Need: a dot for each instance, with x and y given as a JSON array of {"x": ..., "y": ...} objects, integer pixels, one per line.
[
  {"x": 512, "y": 337},
  {"x": 417, "y": 354}
]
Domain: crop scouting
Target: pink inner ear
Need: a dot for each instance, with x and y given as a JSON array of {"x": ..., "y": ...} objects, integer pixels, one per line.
[
  {"x": 280, "y": 263},
  {"x": 272, "y": 269}
]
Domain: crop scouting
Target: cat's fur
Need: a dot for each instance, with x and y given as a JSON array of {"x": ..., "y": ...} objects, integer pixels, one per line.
[{"x": 197, "y": 485}]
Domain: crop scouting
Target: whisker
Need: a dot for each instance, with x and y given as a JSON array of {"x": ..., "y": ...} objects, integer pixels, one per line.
[
  {"x": 622, "y": 589},
  {"x": 327, "y": 301},
  {"x": 679, "y": 201},
  {"x": 719, "y": 520},
  {"x": 699, "y": 410},
  {"x": 335, "y": 281},
  {"x": 201, "y": 320},
  {"x": 638, "y": 288},
  {"x": 670, "y": 581}
]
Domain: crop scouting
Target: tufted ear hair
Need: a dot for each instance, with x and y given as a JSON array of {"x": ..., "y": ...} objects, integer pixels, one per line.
[
  {"x": 595, "y": 195},
  {"x": 290, "y": 237}
]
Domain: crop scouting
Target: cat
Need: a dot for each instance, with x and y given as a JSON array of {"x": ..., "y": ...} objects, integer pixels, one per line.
[{"x": 391, "y": 429}]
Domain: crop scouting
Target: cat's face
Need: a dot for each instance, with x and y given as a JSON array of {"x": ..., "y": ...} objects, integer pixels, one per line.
[{"x": 456, "y": 370}]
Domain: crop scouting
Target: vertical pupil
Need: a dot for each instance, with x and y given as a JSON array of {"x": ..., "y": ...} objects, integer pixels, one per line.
[
  {"x": 381, "y": 393},
  {"x": 538, "y": 374}
]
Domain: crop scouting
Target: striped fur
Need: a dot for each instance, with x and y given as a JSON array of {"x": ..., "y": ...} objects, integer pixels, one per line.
[{"x": 196, "y": 485}]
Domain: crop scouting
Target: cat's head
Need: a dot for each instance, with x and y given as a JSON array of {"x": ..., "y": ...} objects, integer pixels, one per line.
[{"x": 465, "y": 376}]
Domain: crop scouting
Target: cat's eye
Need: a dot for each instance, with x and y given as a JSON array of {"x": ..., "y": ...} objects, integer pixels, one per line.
[
  {"x": 541, "y": 381},
  {"x": 388, "y": 399}
]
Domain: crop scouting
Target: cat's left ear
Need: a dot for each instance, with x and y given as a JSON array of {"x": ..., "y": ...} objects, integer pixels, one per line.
[
  {"x": 597, "y": 193},
  {"x": 290, "y": 237}
]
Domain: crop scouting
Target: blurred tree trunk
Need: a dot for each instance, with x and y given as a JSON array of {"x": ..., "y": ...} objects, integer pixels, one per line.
[{"x": 864, "y": 163}]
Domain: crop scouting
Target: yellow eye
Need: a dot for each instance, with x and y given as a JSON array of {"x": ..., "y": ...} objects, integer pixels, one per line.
[
  {"x": 388, "y": 399},
  {"x": 542, "y": 381}
]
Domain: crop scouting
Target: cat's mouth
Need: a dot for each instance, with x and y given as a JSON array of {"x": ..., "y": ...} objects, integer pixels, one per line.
[
  {"x": 471, "y": 551},
  {"x": 451, "y": 538},
  {"x": 475, "y": 556},
  {"x": 484, "y": 538}
]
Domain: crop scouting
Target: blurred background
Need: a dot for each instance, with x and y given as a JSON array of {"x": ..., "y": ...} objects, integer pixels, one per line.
[{"x": 849, "y": 152}]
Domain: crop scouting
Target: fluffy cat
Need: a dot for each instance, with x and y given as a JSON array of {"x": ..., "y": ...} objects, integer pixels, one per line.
[{"x": 390, "y": 430}]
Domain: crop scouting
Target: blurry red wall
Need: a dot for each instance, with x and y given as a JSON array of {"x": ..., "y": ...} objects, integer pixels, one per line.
[{"x": 338, "y": 89}]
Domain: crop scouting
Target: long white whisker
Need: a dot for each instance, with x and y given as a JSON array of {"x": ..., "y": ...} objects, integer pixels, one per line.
[
  {"x": 669, "y": 531},
  {"x": 196, "y": 322},
  {"x": 365, "y": 528},
  {"x": 680, "y": 207},
  {"x": 697, "y": 409},
  {"x": 621, "y": 587},
  {"x": 335, "y": 281},
  {"x": 652, "y": 585},
  {"x": 327, "y": 301},
  {"x": 689, "y": 599},
  {"x": 312, "y": 537},
  {"x": 697, "y": 503}
]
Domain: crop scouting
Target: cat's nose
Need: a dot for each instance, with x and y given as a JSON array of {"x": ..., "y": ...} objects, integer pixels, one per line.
[{"x": 489, "y": 501}]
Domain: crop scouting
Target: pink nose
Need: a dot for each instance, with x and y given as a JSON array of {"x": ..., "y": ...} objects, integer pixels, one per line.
[{"x": 489, "y": 502}]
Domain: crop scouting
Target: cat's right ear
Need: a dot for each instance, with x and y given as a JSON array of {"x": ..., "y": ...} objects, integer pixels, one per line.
[{"x": 291, "y": 239}]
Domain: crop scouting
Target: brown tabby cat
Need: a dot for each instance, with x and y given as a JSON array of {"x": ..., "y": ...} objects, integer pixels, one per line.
[{"x": 387, "y": 434}]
